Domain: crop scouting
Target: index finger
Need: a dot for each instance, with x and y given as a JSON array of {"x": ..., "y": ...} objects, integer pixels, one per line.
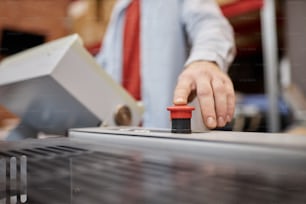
[{"x": 182, "y": 91}]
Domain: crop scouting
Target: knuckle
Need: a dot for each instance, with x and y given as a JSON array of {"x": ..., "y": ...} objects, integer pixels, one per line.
[
  {"x": 230, "y": 96},
  {"x": 204, "y": 92},
  {"x": 184, "y": 79},
  {"x": 229, "y": 84},
  {"x": 219, "y": 87}
]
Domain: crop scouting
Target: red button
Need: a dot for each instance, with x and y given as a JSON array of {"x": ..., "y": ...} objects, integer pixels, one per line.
[{"x": 180, "y": 111}]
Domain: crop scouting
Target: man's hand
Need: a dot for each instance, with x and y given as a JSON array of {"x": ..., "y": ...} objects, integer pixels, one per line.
[{"x": 213, "y": 88}]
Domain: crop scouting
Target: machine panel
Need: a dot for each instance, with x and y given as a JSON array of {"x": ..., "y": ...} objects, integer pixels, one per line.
[{"x": 153, "y": 166}]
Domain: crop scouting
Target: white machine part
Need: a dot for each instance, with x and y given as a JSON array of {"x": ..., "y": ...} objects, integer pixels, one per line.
[
  {"x": 274, "y": 140},
  {"x": 59, "y": 85}
]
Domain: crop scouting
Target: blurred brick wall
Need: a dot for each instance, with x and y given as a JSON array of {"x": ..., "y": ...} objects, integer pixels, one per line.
[
  {"x": 91, "y": 23},
  {"x": 46, "y": 17}
]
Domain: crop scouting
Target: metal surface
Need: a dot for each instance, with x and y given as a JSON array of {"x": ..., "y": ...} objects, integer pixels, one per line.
[
  {"x": 269, "y": 42},
  {"x": 149, "y": 168}
]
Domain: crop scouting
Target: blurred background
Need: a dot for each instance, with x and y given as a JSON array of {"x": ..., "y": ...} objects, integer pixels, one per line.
[{"x": 268, "y": 72}]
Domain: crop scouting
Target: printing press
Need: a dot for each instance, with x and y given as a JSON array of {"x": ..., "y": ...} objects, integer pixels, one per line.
[{"x": 80, "y": 162}]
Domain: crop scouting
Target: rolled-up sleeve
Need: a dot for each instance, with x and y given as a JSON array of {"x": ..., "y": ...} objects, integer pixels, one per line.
[{"x": 210, "y": 35}]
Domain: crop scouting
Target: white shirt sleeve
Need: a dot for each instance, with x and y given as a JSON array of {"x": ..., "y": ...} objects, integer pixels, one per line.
[{"x": 209, "y": 33}]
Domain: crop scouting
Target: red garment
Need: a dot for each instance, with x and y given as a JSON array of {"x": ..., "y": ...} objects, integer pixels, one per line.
[{"x": 131, "y": 50}]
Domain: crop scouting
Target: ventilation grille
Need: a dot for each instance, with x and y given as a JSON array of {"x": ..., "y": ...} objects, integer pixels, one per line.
[
  {"x": 67, "y": 174},
  {"x": 14, "y": 169},
  {"x": 13, "y": 179}
]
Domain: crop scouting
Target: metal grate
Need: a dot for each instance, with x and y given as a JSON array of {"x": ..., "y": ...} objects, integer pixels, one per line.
[
  {"x": 13, "y": 179},
  {"x": 14, "y": 172},
  {"x": 66, "y": 174}
]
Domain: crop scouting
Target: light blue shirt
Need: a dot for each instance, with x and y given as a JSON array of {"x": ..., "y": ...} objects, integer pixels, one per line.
[{"x": 174, "y": 33}]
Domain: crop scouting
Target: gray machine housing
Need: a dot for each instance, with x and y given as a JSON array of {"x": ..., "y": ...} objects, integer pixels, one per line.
[{"x": 59, "y": 85}]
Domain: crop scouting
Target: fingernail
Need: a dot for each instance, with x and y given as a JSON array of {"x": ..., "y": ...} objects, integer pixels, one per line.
[
  {"x": 228, "y": 118},
  {"x": 221, "y": 121},
  {"x": 211, "y": 122},
  {"x": 179, "y": 100}
]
